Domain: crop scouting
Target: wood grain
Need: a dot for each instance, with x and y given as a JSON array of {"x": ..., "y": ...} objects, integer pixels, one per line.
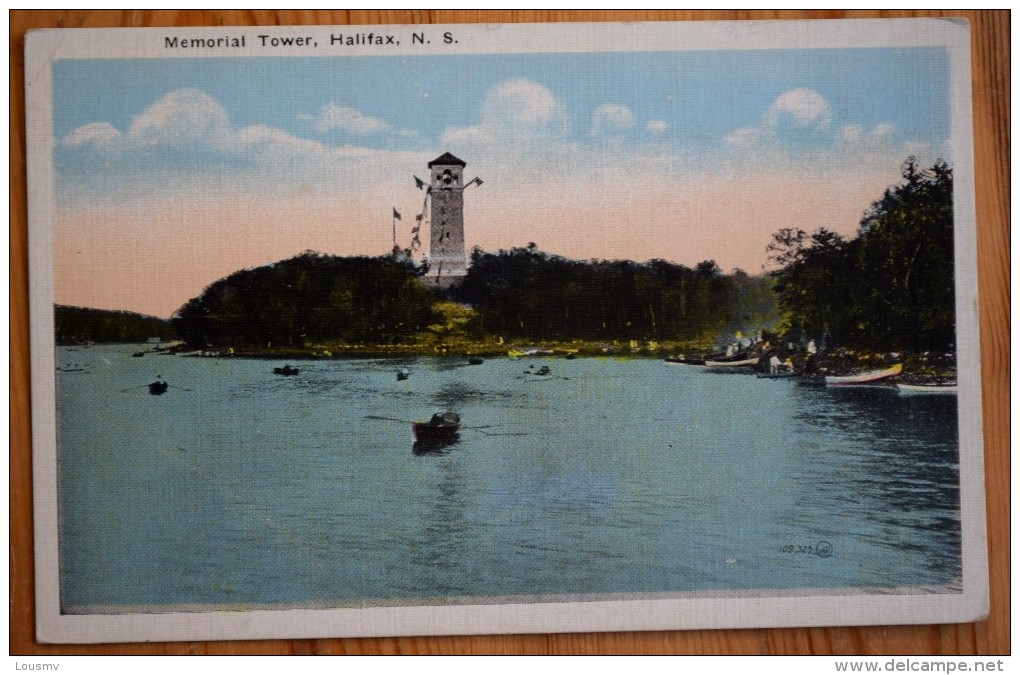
[{"x": 990, "y": 36}]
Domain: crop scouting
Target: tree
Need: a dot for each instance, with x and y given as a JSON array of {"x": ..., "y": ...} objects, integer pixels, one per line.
[
  {"x": 309, "y": 298},
  {"x": 907, "y": 289},
  {"x": 891, "y": 287}
]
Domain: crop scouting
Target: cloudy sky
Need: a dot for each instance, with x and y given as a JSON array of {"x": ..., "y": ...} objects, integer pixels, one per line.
[{"x": 171, "y": 173}]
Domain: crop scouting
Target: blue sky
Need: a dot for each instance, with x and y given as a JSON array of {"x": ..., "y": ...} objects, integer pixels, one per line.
[
  {"x": 685, "y": 156},
  {"x": 702, "y": 95}
]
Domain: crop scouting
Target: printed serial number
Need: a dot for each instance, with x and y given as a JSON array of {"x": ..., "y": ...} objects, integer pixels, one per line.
[{"x": 822, "y": 549}]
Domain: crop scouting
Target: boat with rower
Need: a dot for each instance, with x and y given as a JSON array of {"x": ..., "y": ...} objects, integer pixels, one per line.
[{"x": 441, "y": 428}]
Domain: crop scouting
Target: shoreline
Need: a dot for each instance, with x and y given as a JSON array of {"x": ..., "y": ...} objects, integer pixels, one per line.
[{"x": 917, "y": 368}]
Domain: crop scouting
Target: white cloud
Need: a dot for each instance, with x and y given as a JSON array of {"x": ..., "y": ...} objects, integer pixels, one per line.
[
  {"x": 515, "y": 113},
  {"x": 183, "y": 117},
  {"x": 657, "y": 126},
  {"x": 804, "y": 107},
  {"x": 797, "y": 130},
  {"x": 95, "y": 134},
  {"x": 747, "y": 138},
  {"x": 855, "y": 136},
  {"x": 333, "y": 116},
  {"x": 263, "y": 139},
  {"x": 611, "y": 118}
]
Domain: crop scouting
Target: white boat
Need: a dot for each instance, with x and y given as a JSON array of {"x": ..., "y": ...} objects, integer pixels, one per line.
[
  {"x": 911, "y": 389},
  {"x": 732, "y": 364},
  {"x": 870, "y": 377}
]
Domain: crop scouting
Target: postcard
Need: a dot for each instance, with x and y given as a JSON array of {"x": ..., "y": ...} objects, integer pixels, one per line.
[{"x": 348, "y": 331}]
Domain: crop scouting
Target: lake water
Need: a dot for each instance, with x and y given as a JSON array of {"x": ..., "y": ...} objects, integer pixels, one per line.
[{"x": 241, "y": 488}]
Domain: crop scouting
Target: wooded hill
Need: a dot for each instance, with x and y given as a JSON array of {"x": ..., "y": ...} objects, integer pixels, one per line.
[
  {"x": 889, "y": 288},
  {"x": 78, "y": 325},
  {"x": 317, "y": 299}
]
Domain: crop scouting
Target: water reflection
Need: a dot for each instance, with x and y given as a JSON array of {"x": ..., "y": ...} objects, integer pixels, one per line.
[{"x": 434, "y": 447}]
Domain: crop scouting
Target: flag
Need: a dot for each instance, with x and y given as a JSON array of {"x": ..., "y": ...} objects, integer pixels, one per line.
[
  {"x": 414, "y": 230},
  {"x": 476, "y": 181},
  {"x": 396, "y": 214},
  {"x": 418, "y": 217},
  {"x": 419, "y": 183}
]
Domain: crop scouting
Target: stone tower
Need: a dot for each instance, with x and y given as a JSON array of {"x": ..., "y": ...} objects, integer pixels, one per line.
[{"x": 447, "y": 258}]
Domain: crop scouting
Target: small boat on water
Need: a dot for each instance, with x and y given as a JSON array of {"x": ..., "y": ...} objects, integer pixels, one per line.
[
  {"x": 403, "y": 374},
  {"x": 923, "y": 389},
  {"x": 732, "y": 364},
  {"x": 683, "y": 361},
  {"x": 532, "y": 351},
  {"x": 476, "y": 361},
  {"x": 869, "y": 377},
  {"x": 158, "y": 388},
  {"x": 442, "y": 428},
  {"x": 286, "y": 370}
]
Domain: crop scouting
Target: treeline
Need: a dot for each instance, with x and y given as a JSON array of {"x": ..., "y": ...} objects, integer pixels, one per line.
[
  {"x": 889, "y": 288},
  {"x": 78, "y": 325},
  {"x": 311, "y": 298},
  {"x": 525, "y": 293}
]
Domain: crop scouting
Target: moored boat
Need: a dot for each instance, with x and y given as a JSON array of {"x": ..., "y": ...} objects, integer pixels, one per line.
[
  {"x": 869, "y": 377},
  {"x": 158, "y": 388},
  {"x": 732, "y": 364},
  {"x": 286, "y": 370},
  {"x": 682, "y": 361},
  {"x": 911, "y": 389},
  {"x": 532, "y": 351}
]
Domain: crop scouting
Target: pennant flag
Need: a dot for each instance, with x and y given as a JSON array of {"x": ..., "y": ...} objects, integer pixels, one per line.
[
  {"x": 414, "y": 230},
  {"x": 418, "y": 217},
  {"x": 419, "y": 182},
  {"x": 396, "y": 214},
  {"x": 476, "y": 181}
]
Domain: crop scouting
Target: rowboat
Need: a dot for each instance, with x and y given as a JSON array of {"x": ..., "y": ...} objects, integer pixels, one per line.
[
  {"x": 870, "y": 377},
  {"x": 524, "y": 353},
  {"x": 286, "y": 370},
  {"x": 912, "y": 389},
  {"x": 732, "y": 364},
  {"x": 442, "y": 428},
  {"x": 680, "y": 360},
  {"x": 158, "y": 388}
]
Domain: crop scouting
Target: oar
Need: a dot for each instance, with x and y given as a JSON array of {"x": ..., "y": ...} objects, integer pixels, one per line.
[
  {"x": 473, "y": 428},
  {"x": 389, "y": 419},
  {"x": 146, "y": 385}
]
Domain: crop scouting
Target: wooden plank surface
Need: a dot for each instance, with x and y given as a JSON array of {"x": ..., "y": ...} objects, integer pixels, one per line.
[{"x": 990, "y": 36}]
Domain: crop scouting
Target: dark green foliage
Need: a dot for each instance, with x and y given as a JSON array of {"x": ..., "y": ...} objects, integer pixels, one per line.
[
  {"x": 526, "y": 293},
  {"x": 890, "y": 288},
  {"x": 311, "y": 298},
  {"x": 77, "y": 325}
]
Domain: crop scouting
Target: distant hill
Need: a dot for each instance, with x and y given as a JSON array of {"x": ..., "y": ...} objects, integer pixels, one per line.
[{"x": 75, "y": 325}]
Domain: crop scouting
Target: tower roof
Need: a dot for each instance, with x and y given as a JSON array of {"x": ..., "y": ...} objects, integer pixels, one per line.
[{"x": 447, "y": 158}]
